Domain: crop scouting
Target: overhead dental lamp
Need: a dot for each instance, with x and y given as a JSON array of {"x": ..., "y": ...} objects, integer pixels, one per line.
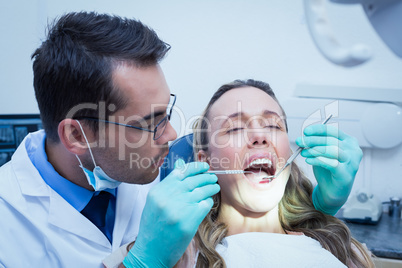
[{"x": 384, "y": 15}]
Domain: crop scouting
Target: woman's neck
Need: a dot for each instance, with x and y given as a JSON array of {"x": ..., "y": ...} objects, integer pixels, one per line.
[{"x": 243, "y": 221}]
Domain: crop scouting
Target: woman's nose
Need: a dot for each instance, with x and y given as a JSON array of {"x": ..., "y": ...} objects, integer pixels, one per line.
[{"x": 259, "y": 137}]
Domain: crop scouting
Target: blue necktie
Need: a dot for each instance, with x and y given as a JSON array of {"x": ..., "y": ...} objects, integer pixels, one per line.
[{"x": 101, "y": 212}]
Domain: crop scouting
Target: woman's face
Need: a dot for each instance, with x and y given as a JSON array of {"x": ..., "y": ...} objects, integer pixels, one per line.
[{"x": 248, "y": 133}]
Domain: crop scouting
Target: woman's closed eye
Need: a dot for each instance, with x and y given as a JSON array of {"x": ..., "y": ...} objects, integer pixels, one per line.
[
  {"x": 238, "y": 129},
  {"x": 234, "y": 129},
  {"x": 274, "y": 126},
  {"x": 270, "y": 125}
]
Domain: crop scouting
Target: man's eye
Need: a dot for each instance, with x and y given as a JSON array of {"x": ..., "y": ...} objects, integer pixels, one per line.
[
  {"x": 140, "y": 124},
  {"x": 151, "y": 123}
]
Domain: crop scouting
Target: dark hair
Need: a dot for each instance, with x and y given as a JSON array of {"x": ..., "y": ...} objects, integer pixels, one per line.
[{"x": 74, "y": 64}]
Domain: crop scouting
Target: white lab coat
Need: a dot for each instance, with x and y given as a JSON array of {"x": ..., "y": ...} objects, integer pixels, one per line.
[{"x": 38, "y": 228}]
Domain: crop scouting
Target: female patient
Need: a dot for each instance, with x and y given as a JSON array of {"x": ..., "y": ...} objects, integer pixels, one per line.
[
  {"x": 254, "y": 220},
  {"x": 257, "y": 222}
]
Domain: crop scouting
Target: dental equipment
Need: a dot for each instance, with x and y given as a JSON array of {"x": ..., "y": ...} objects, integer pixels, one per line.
[
  {"x": 384, "y": 16},
  {"x": 293, "y": 157},
  {"x": 233, "y": 171}
]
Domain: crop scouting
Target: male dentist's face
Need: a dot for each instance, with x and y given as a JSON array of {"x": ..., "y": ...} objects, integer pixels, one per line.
[
  {"x": 248, "y": 133},
  {"x": 131, "y": 155}
]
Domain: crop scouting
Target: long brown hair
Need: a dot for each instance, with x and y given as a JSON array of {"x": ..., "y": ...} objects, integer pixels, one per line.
[{"x": 296, "y": 208}]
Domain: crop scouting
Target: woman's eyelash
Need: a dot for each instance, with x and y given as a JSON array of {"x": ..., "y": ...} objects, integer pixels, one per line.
[
  {"x": 235, "y": 129},
  {"x": 241, "y": 128},
  {"x": 274, "y": 126}
]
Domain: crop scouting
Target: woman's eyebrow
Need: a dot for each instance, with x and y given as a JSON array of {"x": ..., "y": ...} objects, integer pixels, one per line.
[
  {"x": 244, "y": 116},
  {"x": 234, "y": 115},
  {"x": 271, "y": 113}
]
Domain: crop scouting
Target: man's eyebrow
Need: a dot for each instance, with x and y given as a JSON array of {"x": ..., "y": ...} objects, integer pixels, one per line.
[{"x": 153, "y": 115}]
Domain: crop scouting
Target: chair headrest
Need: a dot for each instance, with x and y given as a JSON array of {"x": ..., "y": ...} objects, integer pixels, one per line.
[{"x": 180, "y": 148}]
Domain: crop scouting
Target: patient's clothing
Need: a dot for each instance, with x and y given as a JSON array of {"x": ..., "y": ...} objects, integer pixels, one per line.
[
  {"x": 258, "y": 250},
  {"x": 275, "y": 250}
]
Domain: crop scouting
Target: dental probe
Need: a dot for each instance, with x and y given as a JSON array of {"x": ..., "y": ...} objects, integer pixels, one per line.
[
  {"x": 293, "y": 157},
  {"x": 233, "y": 171}
]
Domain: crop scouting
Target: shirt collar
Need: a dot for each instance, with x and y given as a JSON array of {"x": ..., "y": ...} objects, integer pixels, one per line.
[{"x": 75, "y": 195}]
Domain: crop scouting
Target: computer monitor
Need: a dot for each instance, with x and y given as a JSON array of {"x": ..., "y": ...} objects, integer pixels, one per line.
[{"x": 13, "y": 129}]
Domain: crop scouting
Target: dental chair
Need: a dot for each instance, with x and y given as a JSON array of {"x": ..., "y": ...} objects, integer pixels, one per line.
[{"x": 180, "y": 148}]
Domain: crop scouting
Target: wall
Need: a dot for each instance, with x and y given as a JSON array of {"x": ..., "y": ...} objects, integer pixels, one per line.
[{"x": 214, "y": 42}]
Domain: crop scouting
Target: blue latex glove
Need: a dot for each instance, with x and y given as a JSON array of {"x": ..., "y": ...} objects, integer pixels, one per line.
[
  {"x": 173, "y": 211},
  {"x": 335, "y": 157}
]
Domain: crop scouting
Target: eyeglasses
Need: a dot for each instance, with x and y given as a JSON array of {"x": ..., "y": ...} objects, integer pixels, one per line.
[{"x": 157, "y": 131}]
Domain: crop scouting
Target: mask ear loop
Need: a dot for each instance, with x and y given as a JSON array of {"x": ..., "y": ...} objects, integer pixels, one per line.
[{"x": 86, "y": 140}]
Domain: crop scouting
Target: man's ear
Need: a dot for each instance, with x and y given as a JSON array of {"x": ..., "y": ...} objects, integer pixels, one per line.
[
  {"x": 72, "y": 137},
  {"x": 202, "y": 156}
]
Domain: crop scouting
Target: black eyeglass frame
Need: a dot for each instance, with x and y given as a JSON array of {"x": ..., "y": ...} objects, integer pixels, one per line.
[{"x": 163, "y": 121}]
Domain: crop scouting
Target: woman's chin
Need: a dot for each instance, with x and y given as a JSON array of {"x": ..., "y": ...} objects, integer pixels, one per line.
[{"x": 262, "y": 194}]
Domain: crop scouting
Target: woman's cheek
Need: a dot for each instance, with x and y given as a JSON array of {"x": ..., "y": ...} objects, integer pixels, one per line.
[
  {"x": 225, "y": 158},
  {"x": 221, "y": 141},
  {"x": 284, "y": 146}
]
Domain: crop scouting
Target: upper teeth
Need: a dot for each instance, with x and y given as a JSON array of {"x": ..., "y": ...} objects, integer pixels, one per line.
[{"x": 261, "y": 161}]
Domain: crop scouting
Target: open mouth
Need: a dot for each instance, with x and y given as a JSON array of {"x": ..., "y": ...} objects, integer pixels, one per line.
[{"x": 260, "y": 168}]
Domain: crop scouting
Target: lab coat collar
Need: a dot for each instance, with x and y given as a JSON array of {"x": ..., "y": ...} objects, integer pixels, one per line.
[
  {"x": 61, "y": 213},
  {"x": 125, "y": 211},
  {"x": 32, "y": 185},
  {"x": 74, "y": 194},
  {"x": 64, "y": 216}
]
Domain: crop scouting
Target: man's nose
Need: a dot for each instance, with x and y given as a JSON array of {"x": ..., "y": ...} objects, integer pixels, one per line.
[{"x": 170, "y": 132}]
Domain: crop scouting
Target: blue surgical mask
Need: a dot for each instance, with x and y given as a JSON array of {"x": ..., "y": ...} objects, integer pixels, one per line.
[{"x": 97, "y": 178}]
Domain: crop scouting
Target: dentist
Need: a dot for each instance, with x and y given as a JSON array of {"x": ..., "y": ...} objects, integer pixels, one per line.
[{"x": 81, "y": 188}]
